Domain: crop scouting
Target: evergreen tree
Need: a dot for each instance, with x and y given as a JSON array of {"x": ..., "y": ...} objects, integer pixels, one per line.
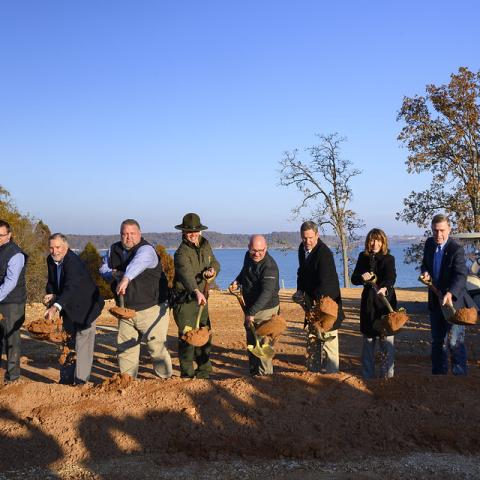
[
  {"x": 93, "y": 261},
  {"x": 167, "y": 263}
]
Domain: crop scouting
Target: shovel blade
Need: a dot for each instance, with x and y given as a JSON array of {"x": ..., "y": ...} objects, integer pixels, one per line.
[
  {"x": 265, "y": 351},
  {"x": 256, "y": 350}
]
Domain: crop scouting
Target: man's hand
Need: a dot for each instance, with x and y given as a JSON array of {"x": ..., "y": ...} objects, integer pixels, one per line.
[
  {"x": 249, "y": 321},
  {"x": 233, "y": 286},
  {"x": 48, "y": 299},
  {"x": 448, "y": 299},
  {"x": 426, "y": 276},
  {"x": 382, "y": 291},
  {"x": 50, "y": 313},
  {"x": 209, "y": 273},
  {"x": 122, "y": 286},
  {"x": 201, "y": 300}
]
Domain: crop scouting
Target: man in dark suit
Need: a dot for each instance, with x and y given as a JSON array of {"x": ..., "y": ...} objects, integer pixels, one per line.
[
  {"x": 444, "y": 264},
  {"x": 72, "y": 292},
  {"x": 317, "y": 277}
]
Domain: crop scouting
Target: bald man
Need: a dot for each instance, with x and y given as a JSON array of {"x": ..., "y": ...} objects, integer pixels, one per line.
[{"x": 259, "y": 282}]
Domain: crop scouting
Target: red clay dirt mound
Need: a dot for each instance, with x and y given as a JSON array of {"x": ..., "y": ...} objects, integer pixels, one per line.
[{"x": 330, "y": 418}]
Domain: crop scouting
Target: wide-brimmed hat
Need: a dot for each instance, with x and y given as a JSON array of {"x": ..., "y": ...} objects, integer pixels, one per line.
[{"x": 191, "y": 223}]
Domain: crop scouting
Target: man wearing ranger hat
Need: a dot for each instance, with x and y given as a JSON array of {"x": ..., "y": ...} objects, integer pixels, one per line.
[{"x": 195, "y": 267}]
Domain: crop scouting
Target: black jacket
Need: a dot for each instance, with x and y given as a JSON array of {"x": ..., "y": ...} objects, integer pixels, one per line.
[
  {"x": 259, "y": 281},
  {"x": 317, "y": 276},
  {"x": 77, "y": 294},
  {"x": 453, "y": 273},
  {"x": 371, "y": 306}
]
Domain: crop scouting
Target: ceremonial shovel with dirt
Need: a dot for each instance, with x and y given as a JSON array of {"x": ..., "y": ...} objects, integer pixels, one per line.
[
  {"x": 322, "y": 315},
  {"x": 120, "y": 311},
  {"x": 199, "y": 336},
  {"x": 265, "y": 351},
  {"x": 462, "y": 316},
  {"x": 392, "y": 322}
]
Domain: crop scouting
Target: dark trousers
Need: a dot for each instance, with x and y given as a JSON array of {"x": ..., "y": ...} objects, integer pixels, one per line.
[
  {"x": 185, "y": 314},
  {"x": 13, "y": 318},
  {"x": 447, "y": 339},
  {"x": 78, "y": 363}
]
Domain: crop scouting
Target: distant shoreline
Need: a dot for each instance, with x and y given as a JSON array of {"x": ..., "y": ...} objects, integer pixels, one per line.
[{"x": 226, "y": 241}]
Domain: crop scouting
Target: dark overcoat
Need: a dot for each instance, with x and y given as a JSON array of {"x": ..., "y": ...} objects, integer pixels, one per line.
[
  {"x": 371, "y": 306},
  {"x": 76, "y": 293},
  {"x": 317, "y": 276}
]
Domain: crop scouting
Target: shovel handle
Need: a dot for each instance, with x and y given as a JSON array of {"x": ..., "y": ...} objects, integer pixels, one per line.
[
  {"x": 385, "y": 301},
  {"x": 121, "y": 301},
  {"x": 199, "y": 315},
  {"x": 238, "y": 294},
  {"x": 448, "y": 311}
]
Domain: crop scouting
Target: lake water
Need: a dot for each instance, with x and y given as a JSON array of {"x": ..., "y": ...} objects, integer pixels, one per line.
[{"x": 231, "y": 261}]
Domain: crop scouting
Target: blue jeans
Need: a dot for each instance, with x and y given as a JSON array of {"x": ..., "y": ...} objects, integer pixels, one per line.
[
  {"x": 387, "y": 356},
  {"x": 447, "y": 338}
]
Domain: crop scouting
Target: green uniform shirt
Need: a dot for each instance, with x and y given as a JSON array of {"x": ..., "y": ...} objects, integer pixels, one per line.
[{"x": 190, "y": 263}]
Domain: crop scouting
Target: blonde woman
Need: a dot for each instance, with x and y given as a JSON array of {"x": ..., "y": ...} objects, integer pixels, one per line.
[{"x": 375, "y": 270}]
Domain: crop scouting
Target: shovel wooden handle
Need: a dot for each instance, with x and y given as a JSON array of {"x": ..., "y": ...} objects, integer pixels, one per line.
[
  {"x": 121, "y": 301},
  {"x": 199, "y": 315},
  {"x": 238, "y": 294},
  {"x": 447, "y": 310},
  {"x": 385, "y": 301}
]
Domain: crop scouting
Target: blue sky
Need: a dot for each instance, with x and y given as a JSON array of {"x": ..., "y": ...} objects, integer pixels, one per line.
[{"x": 151, "y": 109}]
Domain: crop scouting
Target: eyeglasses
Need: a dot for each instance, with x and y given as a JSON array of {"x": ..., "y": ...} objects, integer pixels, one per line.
[{"x": 253, "y": 252}]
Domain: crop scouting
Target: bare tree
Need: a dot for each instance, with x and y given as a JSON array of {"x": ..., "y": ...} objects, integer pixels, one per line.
[{"x": 324, "y": 181}]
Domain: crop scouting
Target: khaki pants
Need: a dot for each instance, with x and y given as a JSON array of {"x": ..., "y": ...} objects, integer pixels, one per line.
[
  {"x": 322, "y": 357},
  {"x": 151, "y": 325},
  {"x": 260, "y": 366}
]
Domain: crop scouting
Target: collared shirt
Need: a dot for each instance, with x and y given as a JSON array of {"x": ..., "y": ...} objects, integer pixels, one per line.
[
  {"x": 145, "y": 257},
  {"x": 14, "y": 269}
]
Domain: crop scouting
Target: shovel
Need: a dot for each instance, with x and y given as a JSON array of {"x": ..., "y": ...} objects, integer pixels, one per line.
[
  {"x": 307, "y": 306},
  {"x": 447, "y": 310},
  {"x": 264, "y": 351},
  {"x": 196, "y": 336},
  {"x": 121, "y": 311}
]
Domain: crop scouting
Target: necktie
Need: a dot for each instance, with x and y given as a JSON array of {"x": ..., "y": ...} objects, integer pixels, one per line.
[
  {"x": 437, "y": 262},
  {"x": 59, "y": 273}
]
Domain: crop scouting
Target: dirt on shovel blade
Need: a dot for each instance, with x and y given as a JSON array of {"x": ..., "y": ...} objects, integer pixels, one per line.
[
  {"x": 466, "y": 316},
  {"x": 197, "y": 337}
]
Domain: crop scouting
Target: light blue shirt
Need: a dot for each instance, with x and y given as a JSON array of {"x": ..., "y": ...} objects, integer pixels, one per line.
[
  {"x": 14, "y": 268},
  {"x": 145, "y": 257}
]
